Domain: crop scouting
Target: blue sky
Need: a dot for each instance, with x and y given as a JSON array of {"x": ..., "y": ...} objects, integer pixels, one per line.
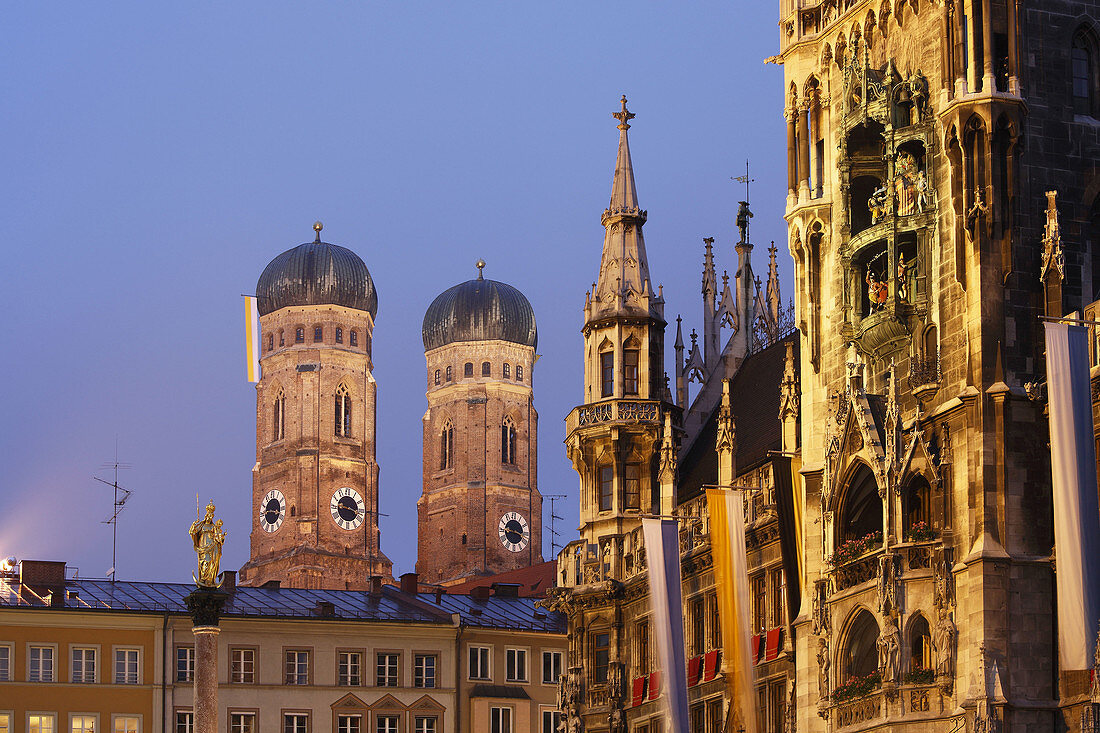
[{"x": 157, "y": 156}]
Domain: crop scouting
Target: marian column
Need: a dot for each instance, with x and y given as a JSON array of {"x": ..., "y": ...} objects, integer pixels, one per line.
[{"x": 205, "y": 605}]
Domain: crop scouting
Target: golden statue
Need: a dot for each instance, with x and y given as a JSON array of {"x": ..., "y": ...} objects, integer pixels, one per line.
[{"x": 208, "y": 538}]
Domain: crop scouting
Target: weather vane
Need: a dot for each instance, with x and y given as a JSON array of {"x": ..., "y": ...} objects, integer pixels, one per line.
[{"x": 744, "y": 179}]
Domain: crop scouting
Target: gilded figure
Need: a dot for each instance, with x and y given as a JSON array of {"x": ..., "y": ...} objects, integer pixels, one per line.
[{"x": 208, "y": 537}]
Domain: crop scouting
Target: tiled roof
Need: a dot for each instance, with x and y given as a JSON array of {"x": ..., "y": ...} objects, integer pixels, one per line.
[{"x": 532, "y": 581}]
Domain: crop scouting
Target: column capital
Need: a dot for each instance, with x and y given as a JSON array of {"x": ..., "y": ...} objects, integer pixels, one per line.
[{"x": 205, "y": 606}]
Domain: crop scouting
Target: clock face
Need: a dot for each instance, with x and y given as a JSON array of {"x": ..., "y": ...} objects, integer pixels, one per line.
[
  {"x": 514, "y": 532},
  {"x": 348, "y": 508},
  {"x": 272, "y": 510}
]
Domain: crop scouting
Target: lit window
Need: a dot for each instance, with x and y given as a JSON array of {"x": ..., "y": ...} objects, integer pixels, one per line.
[
  {"x": 299, "y": 335},
  {"x": 632, "y": 483},
  {"x": 446, "y": 446},
  {"x": 339, "y": 335},
  {"x": 630, "y": 371},
  {"x": 448, "y": 374},
  {"x": 507, "y": 372},
  {"x": 242, "y": 666},
  {"x": 185, "y": 721},
  {"x": 41, "y": 664},
  {"x": 551, "y": 720},
  {"x": 127, "y": 724},
  {"x": 607, "y": 374},
  {"x": 42, "y": 723},
  {"x": 343, "y": 412},
  {"x": 424, "y": 670},
  {"x": 126, "y": 666},
  {"x": 386, "y": 670},
  {"x": 500, "y": 720},
  {"x": 242, "y": 723},
  {"x": 601, "y": 645},
  {"x": 606, "y": 487},
  {"x": 83, "y": 665},
  {"x": 519, "y": 372},
  {"x": 508, "y": 442},
  {"x": 551, "y": 667},
  {"x": 185, "y": 664},
  {"x": 516, "y": 664},
  {"x": 82, "y": 724},
  {"x": 468, "y": 369},
  {"x": 479, "y": 663},
  {"x": 348, "y": 667},
  {"x": 278, "y": 416},
  {"x": 5, "y": 722},
  {"x": 5, "y": 663},
  {"x": 295, "y": 723},
  {"x": 353, "y": 338},
  {"x": 318, "y": 334},
  {"x": 424, "y": 725},
  {"x": 437, "y": 377},
  {"x": 297, "y": 667},
  {"x": 386, "y": 724},
  {"x": 486, "y": 369},
  {"x": 349, "y": 724}
]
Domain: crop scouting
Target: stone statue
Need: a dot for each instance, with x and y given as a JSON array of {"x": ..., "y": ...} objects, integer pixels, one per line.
[
  {"x": 943, "y": 640},
  {"x": 903, "y": 279},
  {"x": 208, "y": 537},
  {"x": 889, "y": 651},
  {"x": 823, "y": 668},
  {"x": 615, "y": 682},
  {"x": 615, "y": 722},
  {"x": 743, "y": 216},
  {"x": 887, "y": 585}
]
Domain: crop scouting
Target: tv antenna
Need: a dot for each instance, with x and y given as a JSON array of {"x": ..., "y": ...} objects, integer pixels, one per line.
[
  {"x": 553, "y": 521},
  {"x": 116, "y": 507}
]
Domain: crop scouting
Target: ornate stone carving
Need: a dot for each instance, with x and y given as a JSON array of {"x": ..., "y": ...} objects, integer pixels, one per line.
[
  {"x": 820, "y": 618},
  {"x": 1053, "y": 257},
  {"x": 823, "y": 669},
  {"x": 888, "y": 583},
  {"x": 943, "y": 641},
  {"x": 205, "y": 606},
  {"x": 889, "y": 651}
]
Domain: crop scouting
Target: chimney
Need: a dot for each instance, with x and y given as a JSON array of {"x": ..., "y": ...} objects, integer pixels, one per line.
[
  {"x": 409, "y": 583},
  {"x": 44, "y": 573},
  {"x": 325, "y": 609},
  {"x": 271, "y": 585},
  {"x": 229, "y": 581},
  {"x": 480, "y": 593},
  {"x": 506, "y": 590},
  {"x": 438, "y": 595},
  {"x": 376, "y": 586}
]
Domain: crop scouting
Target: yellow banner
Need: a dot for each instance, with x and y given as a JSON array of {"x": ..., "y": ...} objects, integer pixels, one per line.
[{"x": 252, "y": 337}]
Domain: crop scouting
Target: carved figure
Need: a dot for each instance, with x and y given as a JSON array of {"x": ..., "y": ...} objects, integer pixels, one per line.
[
  {"x": 876, "y": 204},
  {"x": 918, "y": 90},
  {"x": 923, "y": 191},
  {"x": 823, "y": 668},
  {"x": 943, "y": 641},
  {"x": 876, "y": 291},
  {"x": 903, "y": 279},
  {"x": 615, "y": 722},
  {"x": 887, "y": 585},
  {"x": 743, "y": 216},
  {"x": 889, "y": 651},
  {"x": 615, "y": 681},
  {"x": 208, "y": 537},
  {"x": 905, "y": 183}
]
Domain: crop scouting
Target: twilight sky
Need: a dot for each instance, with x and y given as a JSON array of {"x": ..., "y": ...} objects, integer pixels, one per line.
[{"x": 157, "y": 155}]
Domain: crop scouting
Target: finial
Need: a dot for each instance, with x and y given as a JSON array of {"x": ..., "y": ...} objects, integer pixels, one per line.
[
  {"x": 480, "y": 265},
  {"x": 694, "y": 337},
  {"x": 317, "y": 227},
  {"x": 623, "y": 116},
  {"x": 725, "y": 278}
]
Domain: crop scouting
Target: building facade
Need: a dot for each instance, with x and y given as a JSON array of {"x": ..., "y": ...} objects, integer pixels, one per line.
[
  {"x": 315, "y": 480},
  {"x": 480, "y": 512}
]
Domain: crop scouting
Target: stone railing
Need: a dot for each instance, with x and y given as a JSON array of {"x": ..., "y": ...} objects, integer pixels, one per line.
[
  {"x": 598, "y": 696},
  {"x": 918, "y": 555},
  {"x": 857, "y": 712},
  {"x": 856, "y": 571},
  {"x": 636, "y": 412},
  {"x": 924, "y": 371}
]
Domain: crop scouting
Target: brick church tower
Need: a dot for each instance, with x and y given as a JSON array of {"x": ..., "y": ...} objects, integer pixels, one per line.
[
  {"x": 481, "y": 511},
  {"x": 315, "y": 481}
]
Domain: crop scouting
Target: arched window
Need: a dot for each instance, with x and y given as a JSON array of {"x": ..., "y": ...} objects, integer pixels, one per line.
[
  {"x": 606, "y": 487},
  {"x": 353, "y": 338},
  {"x": 270, "y": 341},
  {"x": 282, "y": 339},
  {"x": 446, "y": 446},
  {"x": 508, "y": 442},
  {"x": 468, "y": 369},
  {"x": 448, "y": 374},
  {"x": 861, "y": 513},
  {"x": 437, "y": 377},
  {"x": 299, "y": 335},
  {"x": 278, "y": 416},
  {"x": 519, "y": 372},
  {"x": 318, "y": 334},
  {"x": 916, "y": 517},
  {"x": 486, "y": 369},
  {"x": 339, "y": 335},
  {"x": 920, "y": 651},
  {"x": 1084, "y": 73},
  {"x": 343, "y": 412},
  {"x": 632, "y": 486},
  {"x": 607, "y": 374},
  {"x": 860, "y": 655}
]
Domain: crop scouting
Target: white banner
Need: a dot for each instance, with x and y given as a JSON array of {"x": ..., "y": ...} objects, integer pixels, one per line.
[
  {"x": 662, "y": 549},
  {"x": 1076, "y": 512}
]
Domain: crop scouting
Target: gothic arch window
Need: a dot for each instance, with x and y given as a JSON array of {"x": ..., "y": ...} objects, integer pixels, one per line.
[
  {"x": 299, "y": 335},
  {"x": 915, "y": 510},
  {"x": 339, "y": 335},
  {"x": 920, "y": 649},
  {"x": 318, "y": 334},
  {"x": 449, "y": 375},
  {"x": 507, "y": 373},
  {"x": 1083, "y": 69},
  {"x": 270, "y": 341},
  {"x": 468, "y": 369},
  {"x": 486, "y": 369},
  {"x": 446, "y": 446},
  {"x": 632, "y": 485},
  {"x": 519, "y": 372},
  {"x": 282, "y": 338},
  {"x": 278, "y": 416},
  {"x": 508, "y": 442},
  {"x": 353, "y": 338},
  {"x": 931, "y": 346},
  {"x": 859, "y": 655},
  {"x": 607, "y": 372},
  {"x": 861, "y": 507},
  {"x": 343, "y": 412},
  {"x": 437, "y": 377}
]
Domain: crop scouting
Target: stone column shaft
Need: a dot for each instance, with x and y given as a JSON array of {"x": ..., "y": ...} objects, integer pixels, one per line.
[
  {"x": 804, "y": 145},
  {"x": 206, "y": 679},
  {"x": 792, "y": 151}
]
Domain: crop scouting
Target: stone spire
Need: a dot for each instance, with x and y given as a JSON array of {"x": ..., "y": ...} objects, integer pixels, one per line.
[
  {"x": 775, "y": 302},
  {"x": 711, "y": 328},
  {"x": 681, "y": 385},
  {"x": 624, "y": 287}
]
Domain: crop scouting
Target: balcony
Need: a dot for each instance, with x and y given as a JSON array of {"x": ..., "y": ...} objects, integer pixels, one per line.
[
  {"x": 614, "y": 412},
  {"x": 924, "y": 378},
  {"x": 859, "y": 712}
]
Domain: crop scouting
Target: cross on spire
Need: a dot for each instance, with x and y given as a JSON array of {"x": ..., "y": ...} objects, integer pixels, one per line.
[
  {"x": 744, "y": 179},
  {"x": 623, "y": 116}
]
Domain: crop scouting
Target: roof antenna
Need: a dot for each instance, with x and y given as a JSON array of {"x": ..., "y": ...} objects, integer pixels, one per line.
[
  {"x": 117, "y": 506},
  {"x": 480, "y": 265},
  {"x": 554, "y": 544},
  {"x": 317, "y": 227}
]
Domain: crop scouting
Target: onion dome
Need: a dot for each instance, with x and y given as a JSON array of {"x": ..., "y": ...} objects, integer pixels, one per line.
[
  {"x": 479, "y": 310},
  {"x": 316, "y": 273}
]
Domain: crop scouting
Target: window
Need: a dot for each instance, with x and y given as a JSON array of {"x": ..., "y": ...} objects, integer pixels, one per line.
[
  {"x": 714, "y": 628},
  {"x": 5, "y": 722},
  {"x": 339, "y": 335},
  {"x": 1083, "y": 71},
  {"x": 295, "y": 723},
  {"x": 777, "y": 707},
  {"x": 920, "y": 649},
  {"x": 318, "y": 334},
  {"x": 758, "y": 590},
  {"x": 551, "y": 719},
  {"x": 778, "y": 590},
  {"x": 860, "y": 651},
  {"x": 601, "y": 644},
  {"x": 40, "y": 668},
  {"x": 630, "y": 371},
  {"x": 641, "y": 661},
  {"x": 607, "y": 374},
  {"x": 242, "y": 666},
  {"x": 278, "y": 415},
  {"x": 353, "y": 338},
  {"x": 299, "y": 335},
  {"x": 632, "y": 486},
  {"x": 437, "y": 377},
  {"x": 386, "y": 670},
  {"x": 297, "y": 667},
  {"x": 519, "y": 372},
  {"x": 861, "y": 509},
  {"x": 507, "y": 374},
  {"x": 698, "y": 626},
  {"x": 715, "y": 719},
  {"x": 185, "y": 721},
  {"x": 446, "y": 446},
  {"x": 606, "y": 487},
  {"x": 282, "y": 338},
  {"x": 500, "y": 720},
  {"x": 468, "y": 369},
  {"x": 349, "y": 724},
  {"x": 41, "y": 723},
  {"x": 270, "y": 341},
  {"x": 82, "y": 724},
  {"x": 448, "y": 374},
  {"x": 386, "y": 723},
  {"x": 917, "y": 497},
  {"x": 343, "y": 412},
  {"x": 551, "y": 667},
  {"x": 508, "y": 442},
  {"x": 424, "y": 670},
  {"x": 83, "y": 665},
  {"x": 697, "y": 719},
  {"x": 242, "y": 723},
  {"x": 479, "y": 663},
  {"x": 516, "y": 664},
  {"x": 348, "y": 666},
  {"x": 126, "y": 666},
  {"x": 486, "y": 369},
  {"x": 127, "y": 724},
  {"x": 425, "y": 725},
  {"x": 5, "y": 663}
]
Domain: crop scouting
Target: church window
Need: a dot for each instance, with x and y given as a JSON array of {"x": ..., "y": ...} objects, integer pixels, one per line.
[
  {"x": 278, "y": 415},
  {"x": 468, "y": 369},
  {"x": 507, "y": 372},
  {"x": 464, "y": 538},
  {"x": 448, "y": 374},
  {"x": 299, "y": 335},
  {"x": 920, "y": 650},
  {"x": 632, "y": 486},
  {"x": 437, "y": 377},
  {"x": 318, "y": 334},
  {"x": 606, "y": 487},
  {"x": 446, "y": 446},
  {"x": 353, "y": 338},
  {"x": 519, "y": 372},
  {"x": 601, "y": 647},
  {"x": 607, "y": 374},
  {"x": 270, "y": 341},
  {"x": 339, "y": 335},
  {"x": 630, "y": 371},
  {"x": 861, "y": 512},
  {"x": 282, "y": 338},
  {"x": 343, "y": 412},
  {"x": 508, "y": 442},
  {"x": 486, "y": 369},
  {"x": 1084, "y": 74}
]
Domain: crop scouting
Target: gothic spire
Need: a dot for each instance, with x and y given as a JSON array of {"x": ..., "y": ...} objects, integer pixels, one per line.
[
  {"x": 775, "y": 302},
  {"x": 623, "y": 193}
]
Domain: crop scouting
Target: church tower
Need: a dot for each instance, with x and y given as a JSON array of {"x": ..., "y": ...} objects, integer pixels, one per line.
[
  {"x": 315, "y": 481},
  {"x": 480, "y": 512},
  {"x": 614, "y": 438}
]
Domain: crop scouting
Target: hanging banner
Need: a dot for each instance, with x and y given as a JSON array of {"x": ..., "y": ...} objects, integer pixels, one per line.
[
  {"x": 727, "y": 542},
  {"x": 789, "y": 507},
  {"x": 252, "y": 337},
  {"x": 1076, "y": 513},
  {"x": 662, "y": 549}
]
